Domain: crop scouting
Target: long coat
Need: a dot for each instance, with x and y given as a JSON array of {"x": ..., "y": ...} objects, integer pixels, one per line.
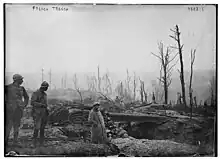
[
  {"x": 39, "y": 111},
  {"x": 98, "y": 133}
]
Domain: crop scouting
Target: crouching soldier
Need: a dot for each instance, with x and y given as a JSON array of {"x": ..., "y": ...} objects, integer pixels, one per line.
[
  {"x": 16, "y": 99},
  {"x": 39, "y": 112}
]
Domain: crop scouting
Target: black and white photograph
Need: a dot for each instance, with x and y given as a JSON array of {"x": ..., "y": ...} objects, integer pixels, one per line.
[{"x": 110, "y": 80}]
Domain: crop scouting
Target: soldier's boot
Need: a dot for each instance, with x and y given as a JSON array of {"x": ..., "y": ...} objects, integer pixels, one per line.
[
  {"x": 7, "y": 138},
  {"x": 42, "y": 136},
  {"x": 6, "y": 142},
  {"x": 35, "y": 137},
  {"x": 8, "y": 130},
  {"x": 15, "y": 140},
  {"x": 16, "y": 125},
  {"x": 15, "y": 137}
]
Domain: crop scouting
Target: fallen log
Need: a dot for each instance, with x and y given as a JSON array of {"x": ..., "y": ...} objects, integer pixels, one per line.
[{"x": 63, "y": 148}]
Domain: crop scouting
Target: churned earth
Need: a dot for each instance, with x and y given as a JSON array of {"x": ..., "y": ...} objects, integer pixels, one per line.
[{"x": 172, "y": 138}]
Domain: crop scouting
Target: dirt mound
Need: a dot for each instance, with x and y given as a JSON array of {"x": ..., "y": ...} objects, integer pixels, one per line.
[{"x": 143, "y": 147}]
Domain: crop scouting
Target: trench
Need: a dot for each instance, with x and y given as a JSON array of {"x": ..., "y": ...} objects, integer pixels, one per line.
[
  {"x": 145, "y": 130},
  {"x": 171, "y": 130}
]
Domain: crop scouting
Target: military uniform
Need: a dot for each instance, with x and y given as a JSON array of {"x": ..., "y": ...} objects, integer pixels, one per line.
[
  {"x": 98, "y": 133},
  {"x": 39, "y": 113},
  {"x": 14, "y": 94}
]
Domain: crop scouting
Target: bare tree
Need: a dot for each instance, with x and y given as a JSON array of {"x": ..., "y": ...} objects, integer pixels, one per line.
[
  {"x": 75, "y": 81},
  {"x": 143, "y": 92},
  {"x": 158, "y": 92},
  {"x": 200, "y": 103},
  {"x": 65, "y": 81},
  {"x": 107, "y": 87},
  {"x": 50, "y": 75},
  {"x": 135, "y": 86},
  {"x": 153, "y": 98},
  {"x": 179, "y": 98},
  {"x": 145, "y": 95},
  {"x": 42, "y": 74},
  {"x": 99, "y": 80},
  {"x": 95, "y": 83},
  {"x": 195, "y": 101},
  {"x": 106, "y": 97},
  {"x": 127, "y": 89},
  {"x": 166, "y": 68},
  {"x": 89, "y": 85},
  {"x": 120, "y": 89},
  {"x": 62, "y": 82},
  {"x": 128, "y": 80},
  {"x": 176, "y": 37},
  {"x": 91, "y": 82},
  {"x": 193, "y": 55},
  {"x": 212, "y": 89}
]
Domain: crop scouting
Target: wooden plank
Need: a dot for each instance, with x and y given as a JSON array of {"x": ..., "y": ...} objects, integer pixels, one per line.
[
  {"x": 139, "y": 118},
  {"x": 130, "y": 117}
]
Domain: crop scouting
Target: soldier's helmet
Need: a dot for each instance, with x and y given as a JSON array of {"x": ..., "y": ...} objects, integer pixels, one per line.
[
  {"x": 44, "y": 84},
  {"x": 17, "y": 77},
  {"x": 96, "y": 104}
]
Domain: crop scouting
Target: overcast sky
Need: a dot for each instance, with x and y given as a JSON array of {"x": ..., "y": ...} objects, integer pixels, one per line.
[{"x": 114, "y": 37}]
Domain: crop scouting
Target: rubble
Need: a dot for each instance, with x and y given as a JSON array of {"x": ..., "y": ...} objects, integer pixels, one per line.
[
  {"x": 113, "y": 129},
  {"x": 69, "y": 125},
  {"x": 58, "y": 115}
]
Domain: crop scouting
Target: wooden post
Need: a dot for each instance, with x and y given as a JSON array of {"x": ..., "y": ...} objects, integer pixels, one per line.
[{"x": 42, "y": 74}]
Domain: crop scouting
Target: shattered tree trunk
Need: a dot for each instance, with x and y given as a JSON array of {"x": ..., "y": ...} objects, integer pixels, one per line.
[
  {"x": 145, "y": 93},
  {"x": 145, "y": 96},
  {"x": 177, "y": 38},
  {"x": 141, "y": 93},
  {"x": 190, "y": 82},
  {"x": 166, "y": 68},
  {"x": 195, "y": 101},
  {"x": 99, "y": 81},
  {"x": 134, "y": 87},
  {"x": 141, "y": 90},
  {"x": 213, "y": 90},
  {"x": 182, "y": 67},
  {"x": 75, "y": 81},
  {"x": 80, "y": 94},
  {"x": 128, "y": 81},
  {"x": 165, "y": 86}
]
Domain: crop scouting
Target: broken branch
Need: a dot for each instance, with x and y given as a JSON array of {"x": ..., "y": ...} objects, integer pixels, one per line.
[
  {"x": 156, "y": 56},
  {"x": 173, "y": 58},
  {"x": 173, "y": 37}
]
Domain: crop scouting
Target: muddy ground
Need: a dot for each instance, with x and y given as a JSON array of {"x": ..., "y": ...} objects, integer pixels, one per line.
[{"x": 179, "y": 136}]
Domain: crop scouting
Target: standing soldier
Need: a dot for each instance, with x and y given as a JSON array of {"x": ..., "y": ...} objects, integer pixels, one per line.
[
  {"x": 16, "y": 99},
  {"x": 40, "y": 112},
  {"x": 98, "y": 132}
]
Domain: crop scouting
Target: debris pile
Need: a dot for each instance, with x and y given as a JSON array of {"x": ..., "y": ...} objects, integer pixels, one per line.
[
  {"x": 58, "y": 116},
  {"x": 113, "y": 129},
  {"x": 76, "y": 132},
  {"x": 78, "y": 117}
]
